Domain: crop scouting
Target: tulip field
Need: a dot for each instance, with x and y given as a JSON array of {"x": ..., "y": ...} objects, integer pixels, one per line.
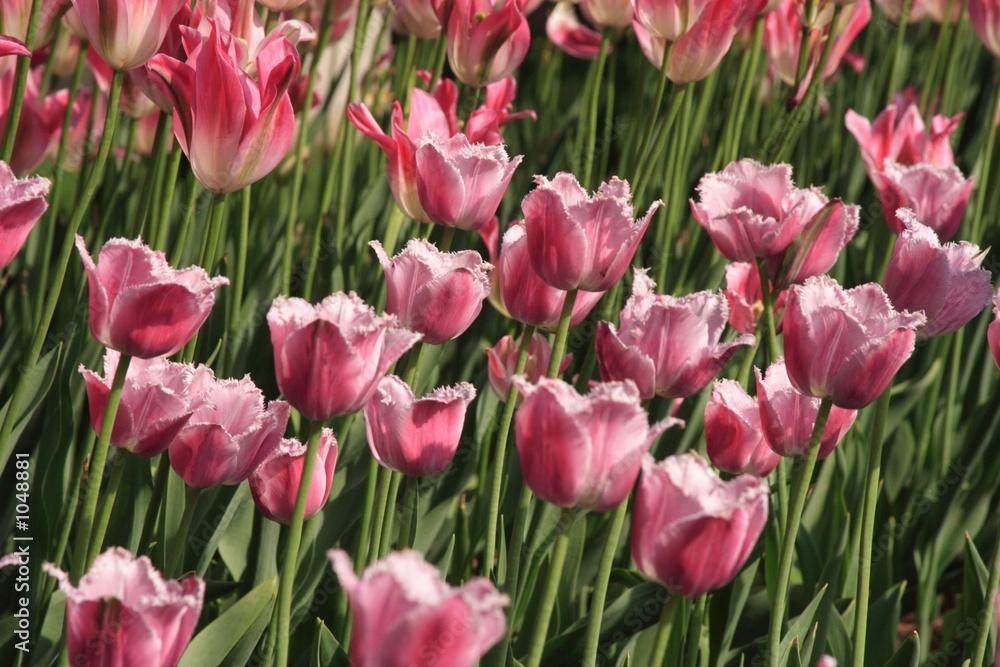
[{"x": 512, "y": 333}]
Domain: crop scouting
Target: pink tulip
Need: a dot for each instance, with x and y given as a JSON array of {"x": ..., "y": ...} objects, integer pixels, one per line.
[
  {"x": 12, "y": 46},
  {"x": 155, "y": 403},
  {"x": 133, "y": 102},
  {"x": 437, "y": 294},
  {"x": 944, "y": 281},
  {"x": 525, "y": 295},
  {"x": 485, "y": 122},
  {"x": 230, "y": 432},
  {"x": 845, "y": 345},
  {"x": 938, "y": 196},
  {"x": 566, "y": 31},
  {"x": 274, "y": 484},
  {"x": 755, "y": 211},
  {"x": 416, "y": 437},
  {"x": 22, "y": 203},
  {"x": 581, "y": 241},
  {"x": 139, "y": 304},
  {"x": 745, "y": 298},
  {"x": 416, "y": 17},
  {"x": 329, "y": 358},
  {"x": 501, "y": 362},
  {"x": 281, "y": 5},
  {"x": 691, "y": 531},
  {"x": 235, "y": 128},
  {"x": 667, "y": 345},
  {"x": 41, "y": 120},
  {"x": 486, "y": 41},
  {"x": 984, "y": 15},
  {"x": 15, "y": 15},
  {"x": 993, "y": 332},
  {"x": 699, "y": 33},
  {"x": 124, "y": 613},
  {"x": 404, "y": 614},
  {"x": 583, "y": 451},
  {"x": 126, "y": 34},
  {"x": 733, "y": 435},
  {"x": 608, "y": 13},
  {"x": 460, "y": 184},
  {"x": 899, "y": 134},
  {"x": 826, "y": 661},
  {"x": 788, "y": 416}
]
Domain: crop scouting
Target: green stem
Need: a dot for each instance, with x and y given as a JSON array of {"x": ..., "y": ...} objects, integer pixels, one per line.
[
  {"x": 239, "y": 278},
  {"x": 175, "y": 558},
  {"x": 801, "y": 476},
  {"x": 384, "y": 484},
  {"x": 82, "y": 206},
  {"x": 695, "y": 630},
  {"x": 772, "y": 334},
  {"x": 897, "y": 50},
  {"x": 180, "y": 243},
  {"x": 153, "y": 509},
  {"x": 556, "y": 564},
  {"x": 645, "y": 139},
  {"x": 21, "y": 84},
  {"x": 746, "y": 93},
  {"x": 658, "y": 144},
  {"x": 408, "y": 524},
  {"x": 96, "y": 474},
  {"x": 390, "y": 516},
  {"x": 663, "y": 631},
  {"x": 591, "y": 110},
  {"x": 804, "y": 46},
  {"x": 986, "y": 619},
  {"x": 448, "y": 236},
  {"x": 987, "y": 159},
  {"x": 206, "y": 259},
  {"x": 361, "y": 551},
  {"x": 601, "y": 586},
  {"x": 500, "y": 456},
  {"x": 167, "y": 188},
  {"x": 150, "y": 193},
  {"x": 562, "y": 334},
  {"x": 290, "y": 565},
  {"x": 106, "y": 505}
]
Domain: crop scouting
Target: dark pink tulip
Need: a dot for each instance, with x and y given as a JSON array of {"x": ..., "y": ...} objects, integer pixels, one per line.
[
  {"x": 234, "y": 127},
  {"x": 581, "y": 241},
  {"x": 845, "y": 345},
  {"x": 566, "y": 31},
  {"x": 22, "y": 203},
  {"x": 938, "y": 196},
  {"x": 899, "y": 134},
  {"x": 993, "y": 332},
  {"x": 328, "y": 358},
  {"x": 405, "y": 615},
  {"x": 460, "y": 184},
  {"x": 485, "y": 122},
  {"x": 229, "y": 434},
  {"x": 525, "y": 296},
  {"x": 417, "y": 437},
  {"x": 667, "y": 345},
  {"x": 126, "y": 34},
  {"x": 501, "y": 360},
  {"x": 583, "y": 451},
  {"x": 745, "y": 298},
  {"x": 124, "y": 613},
  {"x": 788, "y": 416},
  {"x": 691, "y": 531},
  {"x": 984, "y": 15},
  {"x": 12, "y": 46},
  {"x": 733, "y": 435},
  {"x": 945, "y": 281},
  {"x": 416, "y": 17},
  {"x": 274, "y": 484},
  {"x": 438, "y": 294},
  {"x": 486, "y": 41},
  {"x": 608, "y": 13},
  {"x": 156, "y": 402},
  {"x": 139, "y": 304}
]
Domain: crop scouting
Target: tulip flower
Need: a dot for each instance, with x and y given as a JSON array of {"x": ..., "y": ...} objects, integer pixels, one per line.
[
  {"x": 945, "y": 281},
  {"x": 788, "y": 416},
  {"x": 733, "y": 435},
  {"x": 845, "y": 345},
  {"x": 416, "y": 17},
  {"x": 329, "y": 358},
  {"x": 155, "y": 403},
  {"x": 404, "y": 614},
  {"x": 22, "y": 203},
  {"x": 583, "y": 451},
  {"x": 15, "y": 15},
  {"x": 416, "y": 437},
  {"x": 274, "y": 484},
  {"x": 581, "y": 241},
  {"x": 235, "y": 128},
  {"x": 608, "y": 13},
  {"x": 938, "y": 196},
  {"x": 41, "y": 119},
  {"x": 667, "y": 345},
  {"x": 525, "y": 295},
  {"x": 139, "y": 304},
  {"x": 984, "y": 15},
  {"x": 745, "y": 298},
  {"x": 691, "y": 531},
  {"x": 501, "y": 361},
  {"x": 230, "y": 432},
  {"x": 569, "y": 34},
  {"x": 125, "y": 613},
  {"x": 993, "y": 332},
  {"x": 486, "y": 41},
  {"x": 12, "y": 46},
  {"x": 126, "y": 34}
]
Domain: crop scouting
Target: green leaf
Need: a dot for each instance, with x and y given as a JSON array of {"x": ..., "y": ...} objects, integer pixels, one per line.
[
  {"x": 883, "y": 623},
  {"x": 213, "y": 644},
  {"x": 908, "y": 653},
  {"x": 39, "y": 382},
  {"x": 798, "y": 628},
  {"x": 327, "y": 651}
]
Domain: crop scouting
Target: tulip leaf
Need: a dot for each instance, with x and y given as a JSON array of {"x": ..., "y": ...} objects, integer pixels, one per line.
[
  {"x": 214, "y": 643},
  {"x": 232, "y": 534},
  {"x": 798, "y": 628},
  {"x": 327, "y": 651},
  {"x": 883, "y": 623},
  {"x": 38, "y": 384},
  {"x": 839, "y": 635},
  {"x": 727, "y": 608},
  {"x": 908, "y": 653},
  {"x": 974, "y": 579}
]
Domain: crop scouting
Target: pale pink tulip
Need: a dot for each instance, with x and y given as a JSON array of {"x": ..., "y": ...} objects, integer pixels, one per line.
[
  {"x": 501, "y": 362},
  {"x": 745, "y": 298},
  {"x": 124, "y": 33},
  {"x": 734, "y": 438},
  {"x": 41, "y": 120},
  {"x": 486, "y": 41},
  {"x": 22, "y": 203},
  {"x": 274, "y": 484},
  {"x": 566, "y": 31},
  {"x": 416, "y": 17},
  {"x": 15, "y": 15},
  {"x": 667, "y": 345},
  {"x": 608, "y": 13},
  {"x": 984, "y": 15},
  {"x": 938, "y": 196}
]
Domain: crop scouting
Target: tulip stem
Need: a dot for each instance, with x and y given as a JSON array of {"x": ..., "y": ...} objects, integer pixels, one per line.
[
  {"x": 447, "y": 238},
  {"x": 807, "y": 28},
  {"x": 897, "y": 50},
  {"x": 107, "y": 504},
  {"x": 153, "y": 509},
  {"x": 658, "y": 144},
  {"x": 663, "y": 631},
  {"x": 21, "y": 84},
  {"x": 81, "y": 562},
  {"x": 801, "y": 476},
  {"x": 175, "y": 557},
  {"x": 601, "y": 586},
  {"x": 390, "y": 515},
  {"x": 588, "y": 122},
  {"x": 645, "y": 139},
  {"x": 239, "y": 279},
  {"x": 69, "y": 240},
  {"x": 986, "y": 618},
  {"x": 551, "y": 590},
  {"x": 384, "y": 482},
  {"x": 206, "y": 259},
  {"x": 408, "y": 524},
  {"x": 987, "y": 158},
  {"x": 290, "y": 564},
  {"x": 559, "y": 346},
  {"x": 767, "y": 297},
  {"x": 500, "y": 451},
  {"x": 872, "y": 476},
  {"x": 166, "y": 193}
]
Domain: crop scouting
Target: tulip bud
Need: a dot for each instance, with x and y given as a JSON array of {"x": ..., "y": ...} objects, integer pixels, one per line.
[
  {"x": 733, "y": 435},
  {"x": 274, "y": 484}
]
